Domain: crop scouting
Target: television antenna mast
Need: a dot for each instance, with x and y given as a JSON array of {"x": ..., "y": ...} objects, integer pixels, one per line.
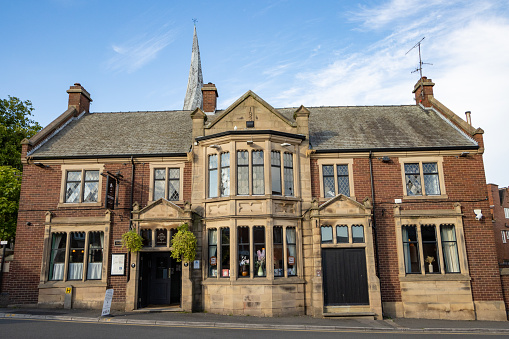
[{"x": 418, "y": 45}]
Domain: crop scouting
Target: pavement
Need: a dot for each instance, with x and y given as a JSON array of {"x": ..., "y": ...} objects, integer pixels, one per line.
[{"x": 164, "y": 318}]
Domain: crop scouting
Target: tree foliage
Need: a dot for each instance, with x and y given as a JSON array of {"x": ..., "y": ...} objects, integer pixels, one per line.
[
  {"x": 183, "y": 244},
  {"x": 15, "y": 125},
  {"x": 10, "y": 186}
]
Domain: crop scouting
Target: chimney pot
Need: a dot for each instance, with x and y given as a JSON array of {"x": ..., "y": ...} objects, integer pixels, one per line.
[{"x": 469, "y": 117}]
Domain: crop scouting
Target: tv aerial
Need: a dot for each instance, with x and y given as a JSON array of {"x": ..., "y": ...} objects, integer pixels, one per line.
[{"x": 418, "y": 46}]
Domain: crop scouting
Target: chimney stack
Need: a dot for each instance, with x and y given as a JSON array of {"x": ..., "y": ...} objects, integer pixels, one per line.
[
  {"x": 423, "y": 90},
  {"x": 209, "y": 97},
  {"x": 79, "y": 98},
  {"x": 469, "y": 117}
]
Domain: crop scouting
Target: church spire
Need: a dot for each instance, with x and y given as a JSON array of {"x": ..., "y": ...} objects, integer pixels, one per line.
[{"x": 194, "y": 97}]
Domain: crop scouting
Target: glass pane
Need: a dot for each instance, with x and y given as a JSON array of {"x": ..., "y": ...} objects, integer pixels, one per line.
[
  {"x": 258, "y": 180},
  {"x": 278, "y": 252},
  {"x": 72, "y": 192},
  {"x": 429, "y": 249},
  {"x": 431, "y": 184},
  {"x": 257, "y": 157},
  {"x": 173, "y": 189},
  {"x": 91, "y": 175},
  {"x": 161, "y": 237},
  {"x": 212, "y": 183},
  {"x": 173, "y": 173},
  {"x": 326, "y": 234},
  {"x": 159, "y": 189},
  {"x": 291, "y": 251},
  {"x": 212, "y": 161},
  {"x": 413, "y": 179},
  {"x": 225, "y": 181},
  {"x": 146, "y": 234},
  {"x": 288, "y": 173},
  {"x": 162, "y": 267},
  {"x": 429, "y": 167},
  {"x": 411, "y": 249},
  {"x": 243, "y": 251},
  {"x": 450, "y": 249},
  {"x": 242, "y": 173},
  {"x": 95, "y": 255},
  {"x": 259, "y": 250},
  {"x": 91, "y": 191},
  {"x": 74, "y": 176},
  {"x": 276, "y": 180},
  {"x": 225, "y": 251},
  {"x": 76, "y": 255},
  {"x": 329, "y": 186},
  {"x": 342, "y": 235},
  {"x": 344, "y": 185},
  {"x": 160, "y": 174},
  {"x": 213, "y": 253},
  {"x": 225, "y": 174},
  {"x": 357, "y": 234}
]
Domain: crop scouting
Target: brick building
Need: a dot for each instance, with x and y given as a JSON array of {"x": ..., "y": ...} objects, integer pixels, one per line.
[{"x": 336, "y": 211}]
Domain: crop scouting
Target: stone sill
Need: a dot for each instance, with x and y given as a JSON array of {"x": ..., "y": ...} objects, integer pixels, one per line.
[
  {"x": 253, "y": 281},
  {"x": 421, "y": 197},
  {"x": 73, "y": 283},
  {"x": 82, "y": 204},
  {"x": 434, "y": 277},
  {"x": 251, "y": 197}
]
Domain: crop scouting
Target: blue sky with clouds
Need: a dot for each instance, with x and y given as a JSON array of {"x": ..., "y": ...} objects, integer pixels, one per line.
[{"x": 134, "y": 55}]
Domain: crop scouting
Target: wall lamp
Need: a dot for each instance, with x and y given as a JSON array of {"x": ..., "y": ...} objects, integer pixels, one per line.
[
  {"x": 464, "y": 154},
  {"x": 41, "y": 165},
  {"x": 215, "y": 146},
  {"x": 286, "y": 144},
  {"x": 385, "y": 159}
]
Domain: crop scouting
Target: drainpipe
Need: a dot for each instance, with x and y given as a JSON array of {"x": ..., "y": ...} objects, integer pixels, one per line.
[
  {"x": 374, "y": 214},
  {"x": 130, "y": 217}
]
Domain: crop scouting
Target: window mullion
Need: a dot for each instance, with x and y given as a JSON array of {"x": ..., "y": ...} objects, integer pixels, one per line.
[
  {"x": 438, "y": 231},
  {"x": 82, "y": 186},
  {"x": 421, "y": 252},
  {"x": 251, "y": 252},
  {"x": 336, "y": 185},
  {"x": 421, "y": 178},
  {"x": 85, "y": 257},
  {"x": 67, "y": 252}
]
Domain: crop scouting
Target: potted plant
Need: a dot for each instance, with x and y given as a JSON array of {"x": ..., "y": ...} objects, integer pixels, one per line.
[
  {"x": 430, "y": 260},
  {"x": 244, "y": 266},
  {"x": 183, "y": 244},
  {"x": 132, "y": 241},
  {"x": 260, "y": 262}
]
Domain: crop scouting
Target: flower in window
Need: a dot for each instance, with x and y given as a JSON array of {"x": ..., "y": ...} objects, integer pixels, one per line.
[{"x": 260, "y": 261}]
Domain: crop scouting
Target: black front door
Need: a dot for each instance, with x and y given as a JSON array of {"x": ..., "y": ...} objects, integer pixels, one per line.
[
  {"x": 345, "y": 279},
  {"x": 160, "y": 279}
]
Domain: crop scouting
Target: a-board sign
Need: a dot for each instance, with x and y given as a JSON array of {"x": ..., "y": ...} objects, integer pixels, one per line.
[{"x": 108, "y": 297}]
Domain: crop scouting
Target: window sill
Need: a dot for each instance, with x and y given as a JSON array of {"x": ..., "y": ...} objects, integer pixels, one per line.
[
  {"x": 176, "y": 202},
  {"x": 434, "y": 277},
  {"x": 73, "y": 283},
  {"x": 421, "y": 197},
  {"x": 253, "y": 281},
  {"x": 252, "y": 197},
  {"x": 81, "y": 204}
]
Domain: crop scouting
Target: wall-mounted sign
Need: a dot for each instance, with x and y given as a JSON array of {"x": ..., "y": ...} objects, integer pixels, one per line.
[
  {"x": 196, "y": 264},
  {"x": 111, "y": 185},
  {"x": 118, "y": 264}
]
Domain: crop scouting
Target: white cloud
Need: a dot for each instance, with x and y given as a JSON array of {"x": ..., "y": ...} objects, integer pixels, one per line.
[
  {"x": 467, "y": 45},
  {"x": 135, "y": 53}
]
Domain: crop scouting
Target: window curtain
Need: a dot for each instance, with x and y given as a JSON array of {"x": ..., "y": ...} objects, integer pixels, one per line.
[
  {"x": 75, "y": 271},
  {"x": 57, "y": 269},
  {"x": 450, "y": 249},
  {"x": 406, "y": 250}
]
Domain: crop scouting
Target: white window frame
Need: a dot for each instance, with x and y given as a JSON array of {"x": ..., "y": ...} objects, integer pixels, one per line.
[{"x": 506, "y": 212}]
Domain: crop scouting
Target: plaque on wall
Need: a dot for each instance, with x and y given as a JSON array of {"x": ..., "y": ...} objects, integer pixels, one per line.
[{"x": 118, "y": 264}]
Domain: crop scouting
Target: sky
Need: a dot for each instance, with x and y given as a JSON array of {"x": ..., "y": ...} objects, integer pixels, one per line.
[{"x": 135, "y": 55}]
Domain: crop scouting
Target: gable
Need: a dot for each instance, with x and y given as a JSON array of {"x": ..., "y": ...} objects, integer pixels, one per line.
[
  {"x": 343, "y": 205},
  {"x": 161, "y": 209},
  {"x": 250, "y": 107}
]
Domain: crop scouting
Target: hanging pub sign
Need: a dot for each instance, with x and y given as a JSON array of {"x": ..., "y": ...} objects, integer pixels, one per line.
[{"x": 111, "y": 185}]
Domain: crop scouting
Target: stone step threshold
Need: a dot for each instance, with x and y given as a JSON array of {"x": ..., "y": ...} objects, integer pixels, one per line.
[
  {"x": 159, "y": 308},
  {"x": 369, "y": 315}
]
